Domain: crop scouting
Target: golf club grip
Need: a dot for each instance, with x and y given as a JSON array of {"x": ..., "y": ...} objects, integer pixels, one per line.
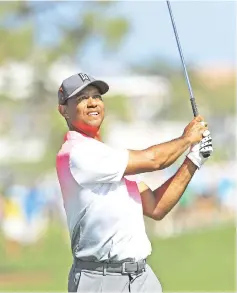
[
  {"x": 195, "y": 113},
  {"x": 194, "y": 107}
]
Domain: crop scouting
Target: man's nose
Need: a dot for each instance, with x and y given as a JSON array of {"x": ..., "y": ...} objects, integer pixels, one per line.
[{"x": 91, "y": 102}]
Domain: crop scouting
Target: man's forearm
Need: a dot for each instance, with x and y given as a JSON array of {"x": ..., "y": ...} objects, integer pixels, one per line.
[
  {"x": 168, "y": 194},
  {"x": 165, "y": 154}
]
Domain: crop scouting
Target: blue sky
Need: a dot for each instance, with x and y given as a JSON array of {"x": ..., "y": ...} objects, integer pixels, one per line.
[
  {"x": 206, "y": 29},
  {"x": 207, "y": 32}
]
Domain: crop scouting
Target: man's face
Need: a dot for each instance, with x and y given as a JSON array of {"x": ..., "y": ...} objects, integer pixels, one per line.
[{"x": 86, "y": 109}]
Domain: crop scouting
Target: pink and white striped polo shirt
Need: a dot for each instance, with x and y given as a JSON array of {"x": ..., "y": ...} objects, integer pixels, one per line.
[{"x": 103, "y": 208}]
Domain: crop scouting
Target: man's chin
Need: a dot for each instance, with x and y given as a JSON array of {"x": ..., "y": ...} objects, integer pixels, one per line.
[
  {"x": 95, "y": 122},
  {"x": 90, "y": 126}
]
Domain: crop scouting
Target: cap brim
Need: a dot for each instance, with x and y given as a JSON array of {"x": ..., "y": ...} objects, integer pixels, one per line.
[{"x": 101, "y": 85}]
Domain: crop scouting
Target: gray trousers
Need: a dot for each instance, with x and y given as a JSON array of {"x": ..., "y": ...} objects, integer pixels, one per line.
[{"x": 93, "y": 282}]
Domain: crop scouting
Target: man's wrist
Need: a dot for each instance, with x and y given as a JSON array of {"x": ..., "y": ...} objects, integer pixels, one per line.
[
  {"x": 195, "y": 158},
  {"x": 191, "y": 164},
  {"x": 186, "y": 141}
]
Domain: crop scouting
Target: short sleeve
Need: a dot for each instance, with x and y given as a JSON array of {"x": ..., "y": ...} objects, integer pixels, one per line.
[
  {"x": 92, "y": 161},
  {"x": 139, "y": 178},
  {"x": 136, "y": 178}
]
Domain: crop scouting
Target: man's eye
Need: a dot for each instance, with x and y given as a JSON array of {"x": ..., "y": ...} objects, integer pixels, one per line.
[
  {"x": 99, "y": 97},
  {"x": 81, "y": 98}
]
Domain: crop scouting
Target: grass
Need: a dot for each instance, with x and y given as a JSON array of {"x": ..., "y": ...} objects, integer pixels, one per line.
[{"x": 201, "y": 261}]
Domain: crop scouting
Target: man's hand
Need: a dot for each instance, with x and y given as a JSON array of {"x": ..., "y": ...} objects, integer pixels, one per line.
[
  {"x": 197, "y": 150},
  {"x": 195, "y": 129}
]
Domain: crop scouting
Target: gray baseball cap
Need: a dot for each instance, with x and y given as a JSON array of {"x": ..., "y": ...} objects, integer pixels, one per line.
[{"x": 76, "y": 83}]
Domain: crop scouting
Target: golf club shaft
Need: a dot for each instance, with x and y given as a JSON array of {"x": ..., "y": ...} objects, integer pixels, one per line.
[{"x": 192, "y": 99}]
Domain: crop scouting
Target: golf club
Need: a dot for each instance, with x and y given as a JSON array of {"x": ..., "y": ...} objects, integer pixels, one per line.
[{"x": 192, "y": 98}]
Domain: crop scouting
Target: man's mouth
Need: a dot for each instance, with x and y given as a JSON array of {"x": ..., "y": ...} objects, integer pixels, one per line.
[{"x": 93, "y": 113}]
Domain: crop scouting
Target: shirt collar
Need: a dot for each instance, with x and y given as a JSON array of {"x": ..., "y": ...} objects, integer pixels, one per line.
[{"x": 73, "y": 135}]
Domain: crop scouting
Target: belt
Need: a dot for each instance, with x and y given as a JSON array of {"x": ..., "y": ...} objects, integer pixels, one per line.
[{"x": 122, "y": 268}]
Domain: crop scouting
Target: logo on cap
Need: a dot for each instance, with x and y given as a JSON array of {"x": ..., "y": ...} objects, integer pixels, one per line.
[{"x": 84, "y": 76}]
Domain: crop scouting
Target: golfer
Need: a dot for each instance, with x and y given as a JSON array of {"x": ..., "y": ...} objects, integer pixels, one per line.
[{"x": 104, "y": 199}]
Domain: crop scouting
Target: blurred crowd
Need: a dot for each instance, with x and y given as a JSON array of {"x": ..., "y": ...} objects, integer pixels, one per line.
[{"x": 26, "y": 212}]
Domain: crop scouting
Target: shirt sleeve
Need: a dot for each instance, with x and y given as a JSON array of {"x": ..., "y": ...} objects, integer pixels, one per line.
[
  {"x": 136, "y": 178},
  {"x": 94, "y": 162}
]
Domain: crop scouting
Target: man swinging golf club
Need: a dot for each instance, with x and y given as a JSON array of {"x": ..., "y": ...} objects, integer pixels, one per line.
[{"x": 104, "y": 202}]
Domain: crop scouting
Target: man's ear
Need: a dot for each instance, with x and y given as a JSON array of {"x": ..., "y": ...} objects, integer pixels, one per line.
[{"x": 63, "y": 111}]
